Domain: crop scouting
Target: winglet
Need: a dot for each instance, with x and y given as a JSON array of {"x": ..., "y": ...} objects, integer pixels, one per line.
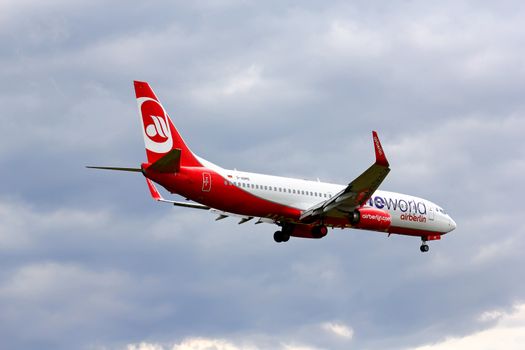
[
  {"x": 380, "y": 154},
  {"x": 153, "y": 190}
]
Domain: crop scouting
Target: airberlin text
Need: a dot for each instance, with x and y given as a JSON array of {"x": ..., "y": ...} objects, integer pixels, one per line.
[
  {"x": 411, "y": 210},
  {"x": 374, "y": 217}
]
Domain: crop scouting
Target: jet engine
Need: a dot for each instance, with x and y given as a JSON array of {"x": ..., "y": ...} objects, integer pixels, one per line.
[{"x": 370, "y": 219}]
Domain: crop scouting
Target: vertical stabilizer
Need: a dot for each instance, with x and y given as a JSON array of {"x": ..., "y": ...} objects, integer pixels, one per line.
[{"x": 160, "y": 135}]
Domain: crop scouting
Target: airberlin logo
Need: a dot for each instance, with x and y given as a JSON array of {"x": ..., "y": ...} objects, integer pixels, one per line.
[
  {"x": 376, "y": 217},
  {"x": 158, "y": 129},
  {"x": 415, "y": 218},
  {"x": 157, "y": 134}
]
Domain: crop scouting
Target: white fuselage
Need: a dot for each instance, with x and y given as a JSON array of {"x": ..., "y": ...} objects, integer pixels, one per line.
[{"x": 406, "y": 211}]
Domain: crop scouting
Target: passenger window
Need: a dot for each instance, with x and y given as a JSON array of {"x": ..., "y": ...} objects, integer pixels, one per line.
[{"x": 294, "y": 191}]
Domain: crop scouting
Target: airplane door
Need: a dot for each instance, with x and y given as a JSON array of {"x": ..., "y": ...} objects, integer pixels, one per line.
[
  {"x": 431, "y": 214},
  {"x": 206, "y": 182}
]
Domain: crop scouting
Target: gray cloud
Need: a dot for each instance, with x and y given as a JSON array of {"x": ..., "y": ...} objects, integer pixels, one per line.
[{"x": 89, "y": 261}]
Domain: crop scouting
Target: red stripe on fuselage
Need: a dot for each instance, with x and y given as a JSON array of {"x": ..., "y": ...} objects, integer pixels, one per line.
[
  {"x": 413, "y": 232},
  {"x": 221, "y": 194}
]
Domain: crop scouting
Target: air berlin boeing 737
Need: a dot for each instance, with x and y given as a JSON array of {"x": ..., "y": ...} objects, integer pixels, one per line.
[{"x": 301, "y": 208}]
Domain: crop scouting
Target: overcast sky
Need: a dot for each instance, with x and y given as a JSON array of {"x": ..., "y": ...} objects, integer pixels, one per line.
[{"x": 293, "y": 88}]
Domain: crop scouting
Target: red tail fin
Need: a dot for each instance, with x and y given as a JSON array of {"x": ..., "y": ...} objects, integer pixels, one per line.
[{"x": 160, "y": 135}]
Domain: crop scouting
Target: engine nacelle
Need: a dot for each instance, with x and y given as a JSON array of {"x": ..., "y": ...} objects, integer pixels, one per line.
[
  {"x": 308, "y": 231},
  {"x": 371, "y": 219}
]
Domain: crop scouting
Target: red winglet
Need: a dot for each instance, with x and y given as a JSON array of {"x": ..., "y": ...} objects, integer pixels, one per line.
[
  {"x": 142, "y": 89},
  {"x": 380, "y": 154},
  {"x": 153, "y": 190}
]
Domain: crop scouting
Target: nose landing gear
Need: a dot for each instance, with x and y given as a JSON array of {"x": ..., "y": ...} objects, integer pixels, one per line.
[{"x": 424, "y": 247}]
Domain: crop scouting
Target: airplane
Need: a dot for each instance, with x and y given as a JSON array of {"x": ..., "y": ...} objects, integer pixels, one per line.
[{"x": 301, "y": 208}]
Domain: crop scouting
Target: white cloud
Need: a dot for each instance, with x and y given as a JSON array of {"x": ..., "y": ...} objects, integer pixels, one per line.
[
  {"x": 234, "y": 82},
  {"x": 144, "y": 346},
  {"x": 21, "y": 226},
  {"x": 57, "y": 298},
  {"x": 298, "y": 347},
  {"x": 339, "y": 329},
  {"x": 208, "y": 344},
  {"x": 508, "y": 333},
  {"x": 244, "y": 81},
  {"x": 197, "y": 343},
  {"x": 346, "y": 38},
  {"x": 202, "y": 343},
  {"x": 491, "y": 315}
]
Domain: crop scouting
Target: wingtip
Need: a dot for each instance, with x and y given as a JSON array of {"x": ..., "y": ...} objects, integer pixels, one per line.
[{"x": 380, "y": 154}]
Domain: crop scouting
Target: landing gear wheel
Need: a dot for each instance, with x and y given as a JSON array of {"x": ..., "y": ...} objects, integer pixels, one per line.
[
  {"x": 424, "y": 248},
  {"x": 280, "y": 236}
]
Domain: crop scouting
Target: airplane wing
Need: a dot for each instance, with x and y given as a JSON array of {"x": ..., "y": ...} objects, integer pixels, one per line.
[{"x": 356, "y": 193}]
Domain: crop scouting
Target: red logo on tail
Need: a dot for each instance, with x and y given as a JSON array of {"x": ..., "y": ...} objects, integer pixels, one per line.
[
  {"x": 157, "y": 131},
  {"x": 155, "y": 123}
]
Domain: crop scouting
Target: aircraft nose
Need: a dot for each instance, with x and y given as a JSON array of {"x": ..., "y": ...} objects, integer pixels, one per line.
[{"x": 452, "y": 224}]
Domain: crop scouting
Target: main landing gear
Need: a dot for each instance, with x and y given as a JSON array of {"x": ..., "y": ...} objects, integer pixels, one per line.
[
  {"x": 424, "y": 246},
  {"x": 280, "y": 236},
  {"x": 284, "y": 234},
  {"x": 305, "y": 231}
]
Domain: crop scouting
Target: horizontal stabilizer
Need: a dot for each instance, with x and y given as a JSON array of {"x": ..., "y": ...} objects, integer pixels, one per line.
[
  {"x": 169, "y": 163},
  {"x": 138, "y": 170}
]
